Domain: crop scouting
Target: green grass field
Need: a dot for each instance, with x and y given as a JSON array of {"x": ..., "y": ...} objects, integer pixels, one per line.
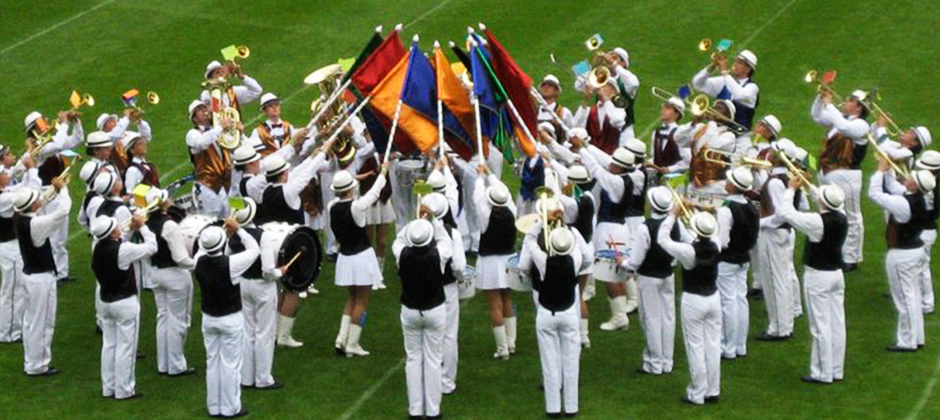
[{"x": 48, "y": 48}]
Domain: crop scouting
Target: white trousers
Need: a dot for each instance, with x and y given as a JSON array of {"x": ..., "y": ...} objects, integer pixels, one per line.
[
  {"x": 926, "y": 282},
  {"x": 775, "y": 280},
  {"x": 259, "y": 305},
  {"x": 904, "y": 275},
  {"x": 732, "y": 287},
  {"x": 850, "y": 181},
  {"x": 12, "y": 292},
  {"x": 223, "y": 337},
  {"x": 701, "y": 329},
  {"x": 452, "y": 305},
  {"x": 58, "y": 240},
  {"x": 39, "y": 321},
  {"x": 559, "y": 336},
  {"x": 795, "y": 294},
  {"x": 210, "y": 202},
  {"x": 658, "y": 318},
  {"x": 825, "y": 305},
  {"x": 173, "y": 292},
  {"x": 119, "y": 347},
  {"x": 424, "y": 346}
]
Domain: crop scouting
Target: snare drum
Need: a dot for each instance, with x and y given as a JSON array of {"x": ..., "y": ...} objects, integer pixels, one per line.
[
  {"x": 405, "y": 173},
  {"x": 466, "y": 284},
  {"x": 514, "y": 277},
  {"x": 298, "y": 246},
  {"x": 606, "y": 269},
  {"x": 190, "y": 227}
]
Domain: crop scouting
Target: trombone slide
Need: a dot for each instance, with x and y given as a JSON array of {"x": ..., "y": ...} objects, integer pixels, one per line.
[{"x": 884, "y": 155}]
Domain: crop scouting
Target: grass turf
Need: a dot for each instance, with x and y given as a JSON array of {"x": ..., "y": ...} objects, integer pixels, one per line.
[{"x": 45, "y": 51}]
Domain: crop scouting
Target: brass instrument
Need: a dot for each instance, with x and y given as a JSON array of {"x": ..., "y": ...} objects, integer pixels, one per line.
[
  {"x": 243, "y": 52},
  {"x": 143, "y": 212},
  {"x": 728, "y": 159},
  {"x": 231, "y": 137},
  {"x": 41, "y": 140},
  {"x": 812, "y": 77},
  {"x": 137, "y": 110},
  {"x": 680, "y": 201},
  {"x": 705, "y": 45},
  {"x": 698, "y": 105},
  {"x": 327, "y": 79},
  {"x": 50, "y": 193},
  {"x": 701, "y": 105},
  {"x": 544, "y": 194},
  {"x": 794, "y": 171},
  {"x": 892, "y": 128},
  {"x": 600, "y": 76},
  {"x": 898, "y": 169},
  {"x": 79, "y": 101}
]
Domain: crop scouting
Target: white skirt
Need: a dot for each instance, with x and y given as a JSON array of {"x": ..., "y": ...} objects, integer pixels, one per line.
[
  {"x": 361, "y": 269},
  {"x": 491, "y": 272},
  {"x": 605, "y": 232},
  {"x": 380, "y": 214}
]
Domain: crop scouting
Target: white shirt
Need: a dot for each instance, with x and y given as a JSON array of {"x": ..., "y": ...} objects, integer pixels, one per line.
[
  {"x": 42, "y": 226},
  {"x": 30, "y": 180},
  {"x": 483, "y": 206},
  {"x": 896, "y": 205},
  {"x": 299, "y": 176},
  {"x": 810, "y": 224},
  {"x": 117, "y": 133},
  {"x": 776, "y": 190},
  {"x": 726, "y": 220},
  {"x": 247, "y": 92},
  {"x": 133, "y": 176},
  {"x": 277, "y": 133},
  {"x": 712, "y": 86},
  {"x": 605, "y": 111},
  {"x": 359, "y": 205},
  {"x": 62, "y": 140},
  {"x": 545, "y": 114},
  {"x": 597, "y": 162},
  {"x": 829, "y": 116},
  {"x": 200, "y": 139},
  {"x": 641, "y": 242},
  {"x": 173, "y": 236},
  {"x": 531, "y": 253},
  {"x": 129, "y": 253},
  {"x": 681, "y": 251}
]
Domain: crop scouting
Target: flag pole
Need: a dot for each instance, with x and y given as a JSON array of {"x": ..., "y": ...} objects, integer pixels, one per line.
[
  {"x": 329, "y": 101},
  {"x": 476, "y": 111},
  {"x": 538, "y": 97},
  {"x": 440, "y": 114},
  {"x": 348, "y": 119},
  {"x": 391, "y": 133},
  {"x": 515, "y": 113}
]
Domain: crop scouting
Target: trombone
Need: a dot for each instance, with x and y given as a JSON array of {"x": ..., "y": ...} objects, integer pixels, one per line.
[
  {"x": 728, "y": 159},
  {"x": 143, "y": 212},
  {"x": 795, "y": 171},
  {"x": 697, "y": 105},
  {"x": 680, "y": 201},
  {"x": 892, "y": 128},
  {"x": 812, "y": 77},
  {"x": 898, "y": 169},
  {"x": 701, "y": 105}
]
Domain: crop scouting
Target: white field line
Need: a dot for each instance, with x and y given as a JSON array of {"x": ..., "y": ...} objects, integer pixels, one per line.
[
  {"x": 54, "y": 27},
  {"x": 925, "y": 396}
]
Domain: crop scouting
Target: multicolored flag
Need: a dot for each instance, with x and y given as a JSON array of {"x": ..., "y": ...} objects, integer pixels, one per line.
[
  {"x": 382, "y": 60},
  {"x": 418, "y": 115},
  {"x": 518, "y": 86},
  {"x": 458, "y": 112}
]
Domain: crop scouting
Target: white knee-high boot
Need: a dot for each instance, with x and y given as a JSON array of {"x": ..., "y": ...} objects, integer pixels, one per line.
[
  {"x": 502, "y": 350},
  {"x": 340, "y": 344},
  {"x": 633, "y": 296},
  {"x": 352, "y": 342}
]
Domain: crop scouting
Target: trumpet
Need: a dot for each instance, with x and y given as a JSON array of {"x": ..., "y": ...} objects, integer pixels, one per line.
[
  {"x": 137, "y": 110},
  {"x": 680, "y": 201},
  {"x": 600, "y": 76},
  {"x": 143, "y": 212},
  {"x": 728, "y": 159},
  {"x": 794, "y": 171},
  {"x": 50, "y": 193},
  {"x": 721, "y": 51},
  {"x": 41, "y": 141},
  {"x": 898, "y": 169},
  {"x": 892, "y": 127},
  {"x": 812, "y": 77},
  {"x": 79, "y": 100},
  {"x": 701, "y": 105}
]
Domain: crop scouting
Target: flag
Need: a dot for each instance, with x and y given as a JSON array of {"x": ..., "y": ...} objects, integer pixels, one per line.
[
  {"x": 385, "y": 96},
  {"x": 461, "y": 54},
  {"x": 382, "y": 60},
  {"x": 130, "y": 97},
  {"x": 418, "y": 117},
  {"x": 458, "y": 112},
  {"x": 370, "y": 47},
  {"x": 489, "y": 99},
  {"x": 518, "y": 86}
]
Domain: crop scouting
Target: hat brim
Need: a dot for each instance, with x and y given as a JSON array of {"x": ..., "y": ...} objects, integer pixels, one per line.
[{"x": 346, "y": 187}]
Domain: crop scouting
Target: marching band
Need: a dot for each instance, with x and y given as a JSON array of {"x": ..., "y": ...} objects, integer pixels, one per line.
[{"x": 727, "y": 197}]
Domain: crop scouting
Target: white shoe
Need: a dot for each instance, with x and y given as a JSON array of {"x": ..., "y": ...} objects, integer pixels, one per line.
[
  {"x": 616, "y": 323},
  {"x": 352, "y": 342},
  {"x": 511, "y": 334},
  {"x": 312, "y": 290},
  {"x": 501, "y": 355},
  {"x": 302, "y": 295},
  {"x": 379, "y": 286},
  {"x": 288, "y": 342}
]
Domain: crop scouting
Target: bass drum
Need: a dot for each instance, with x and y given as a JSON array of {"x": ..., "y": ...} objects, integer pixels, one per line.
[
  {"x": 191, "y": 226},
  {"x": 298, "y": 246},
  {"x": 406, "y": 172}
]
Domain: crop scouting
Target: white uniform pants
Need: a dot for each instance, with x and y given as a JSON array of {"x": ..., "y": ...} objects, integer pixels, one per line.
[
  {"x": 658, "y": 317},
  {"x": 58, "y": 239},
  {"x": 173, "y": 292},
  {"x": 223, "y": 337},
  {"x": 775, "y": 279},
  {"x": 825, "y": 300},
  {"x": 850, "y": 180},
  {"x": 424, "y": 346},
  {"x": 12, "y": 292},
  {"x": 119, "y": 347},
  {"x": 926, "y": 283},
  {"x": 732, "y": 287},
  {"x": 794, "y": 279},
  {"x": 210, "y": 202},
  {"x": 701, "y": 329},
  {"x": 559, "y": 336},
  {"x": 259, "y": 305},
  {"x": 452, "y": 305},
  {"x": 904, "y": 275},
  {"x": 39, "y": 321}
]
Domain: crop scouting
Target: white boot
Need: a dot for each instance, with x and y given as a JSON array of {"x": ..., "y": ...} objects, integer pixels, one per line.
[
  {"x": 352, "y": 342},
  {"x": 511, "y": 334},
  {"x": 618, "y": 319},
  {"x": 502, "y": 350},
  {"x": 632, "y": 296},
  {"x": 585, "y": 340},
  {"x": 340, "y": 344},
  {"x": 589, "y": 290},
  {"x": 284, "y": 339},
  {"x": 381, "y": 284}
]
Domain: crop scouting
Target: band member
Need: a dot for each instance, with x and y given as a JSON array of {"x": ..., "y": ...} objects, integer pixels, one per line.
[
  {"x": 905, "y": 259},
  {"x": 139, "y": 170},
  {"x": 88, "y": 174},
  {"x": 532, "y": 178},
  {"x": 120, "y": 308},
  {"x": 736, "y": 84},
  {"x": 556, "y": 321},
  {"x": 39, "y": 268},
  {"x": 422, "y": 250},
  {"x": 908, "y": 146},
  {"x": 775, "y": 247},
  {"x": 841, "y": 161},
  {"x": 604, "y": 121},
  {"x": 117, "y": 130},
  {"x": 822, "y": 275},
  {"x": 246, "y": 162},
  {"x": 613, "y": 174},
  {"x": 12, "y": 293},
  {"x": 438, "y": 206},
  {"x": 273, "y": 132},
  {"x": 211, "y": 161},
  {"x": 496, "y": 217},
  {"x": 232, "y": 96},
  {"x": 99, "y": 147},
  {"x": 930, "y": 161},
  {"x": 550, "y": 89},
  {"x": 110, "y": 189},
  {"x": 380, "y": 214},
  {"x": 656, "y": 284},
  {"x": 738, "y": 227},
  {"x": 579, "y": 214},
  {"x": 172, "y": 287},
  {"x": 701, "y": 306},
  {"x": 259, "y": 302},
  {"x": 709, "y": 131},
  {"x": 223, "y": 325},
  {"x": 357, "y": 268},
  {"x": 627, "y": 84},
  {"x": 668, "y": 154}
]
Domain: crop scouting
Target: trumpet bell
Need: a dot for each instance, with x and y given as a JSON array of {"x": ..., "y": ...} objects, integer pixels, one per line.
[
  {"x": 811, "y": 76},
  {"x": 599, "y": 77},
  {"x": 323, "y": 73},
  {"x": 243, "y": 51},
  {"x": 700, "y": 105},
  {"x": 344, "y": 150},
  {"x": 89, "y": 100},
  {"x": 705, "y": 44},
  {"x": 153, "y": 98}
]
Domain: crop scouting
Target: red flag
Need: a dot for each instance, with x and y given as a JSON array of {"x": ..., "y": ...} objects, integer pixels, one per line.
[
  {"x": 382, "y": 60},
  {"x": 518, "y": 87}
]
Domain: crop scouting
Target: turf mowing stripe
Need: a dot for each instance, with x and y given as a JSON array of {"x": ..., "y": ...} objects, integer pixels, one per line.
[
  {"x": 927, "y": 391},
  {"x": 54, "y": 27},
  {"x": 428, "y": 13},
  {"x": 767, "y": 23},
  {"x": 366, "y": 396}
]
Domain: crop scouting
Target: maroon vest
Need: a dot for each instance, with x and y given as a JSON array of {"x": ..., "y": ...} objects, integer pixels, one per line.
[
  {"x": 606, "y": 137},
  {"x": 666, "y": 150}
]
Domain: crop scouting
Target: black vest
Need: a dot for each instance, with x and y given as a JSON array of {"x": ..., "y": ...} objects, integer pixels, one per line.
[
  {"x": 422, "y": 282},
  {"x": 351, "y": 237},
  {"x": 858, "y": 156},
  {"x": 7, "y": 232},
  {"x": 557, "y": 291},
  {"x": 584, "y": 223},
  {"x": 744, "y": 230},
  {"x": 276, "y": 208},
  {"x": 616, "y": 212},
  {"x": 88, "y": 196},
  {"x": 826, "y": 255},
  {"x": 630, "y": 118},
  {"x": 163, "y": 258},
  {"x": 219, "y": 296},
  {"x": 243, "y": 185},
  {"x": 116, "y": 284},
  {"x": 907, "y": 235},
  {"x": 235, "y": 245},
  {"x": 701, "y": 279},
  {"x": 658, "y": 263},
  {"x": 638, "y": 204},
  {"x": 35, "y": 260},
  {"x": 108, "y": 207},
  {"x": 500, "y": 234}
]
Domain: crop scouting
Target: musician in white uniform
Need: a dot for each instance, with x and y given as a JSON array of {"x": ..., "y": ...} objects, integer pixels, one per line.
[
  {"x": 710, "y": 131},
  {"x": 550, "y": 89},
  {"x": 116, "y": 127},
  {"x": 39, "y": 269},
  {"x": 211, "y": 162},
  {"x": 668, "y": 155},
  {"x": 139, "y": 170},
  {"x": 422, "y": 251},
  {"x": 120, "y": 307},
  {"x": 735, "y": 84},
  {"x": 99, "y": 146},
  {"x": 626, "y": 84},
  {"x": 272, "y": 133},
  {"x": 234, "y": 96},
  {"x": 223, "y": 325},
  {"x": 930, "y": 161},
  {"x": 88, "y": 174},
  {"x": 12, "y": 293},
  {"x": 579, "y": 214}
]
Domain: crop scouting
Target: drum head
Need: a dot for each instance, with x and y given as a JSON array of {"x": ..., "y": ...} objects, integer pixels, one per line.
[{"x": 306, "y": 268}]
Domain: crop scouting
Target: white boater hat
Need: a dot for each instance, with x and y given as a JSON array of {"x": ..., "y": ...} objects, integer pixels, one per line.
[
  {"x": 929, "y": 160},
  {"x": 831, "y": 196},
  {"x": 275, "y": 165},
  {"x": 246, "y": 215},
  {"x": 98, "y": 139},
  {"x": 130, "y": 138},
  {"x": 578, "y": 174},
  {"x": 212, "y": 239},
  {"x": 156, "y": 195},
  {"x": 731, "y": 108},
  {"x": 678, "y": 105},
  {"x": 30, "y": 120},
  {"x": 561, "y": 240},
  {"x": 704, "y": 224},
  {"x": 661, "y": 199},
  {"x": 741, "y": 177},
  {"x": 773, "y": 124},
  {"x": 244, "y": 155},
  {"x": 786, "y": 146},
  {"x": 89, "y": 172},
  {"x": 498, "y": 195},
  {"x": 215, "y": 64},
  {"x": 861, "y": 96},
  {"x": 925, "y": 180},
  {"x": 419, "y": 232},
  {"x": 104, "y": 182},
  {"x": 268, "y": 99},
  {"x": 923, "y": 135},
  {"x": 623, "y": 158},
  {"x": 551, "y": 79},
  {"x": 748, "y": 57},
  {"x": 193, "y": 106},
  {"x": 637, "y": 147},
  {"x": 622, "y": 53},
  {"x": 436, "y": 180},
  {"x": 24, "y": 199},
  {"x": 580, "y": 133},
  {"x": 103, "y": 119},
  {"x": 343, "y": 181},
  {"x": 437, "y": 203},
  {"x": 102, "y": 226}
]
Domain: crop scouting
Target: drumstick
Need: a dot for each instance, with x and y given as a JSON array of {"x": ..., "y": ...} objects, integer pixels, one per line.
[
  {"x": 611, "y": 242},
  {"x": 297, "y": 255}
]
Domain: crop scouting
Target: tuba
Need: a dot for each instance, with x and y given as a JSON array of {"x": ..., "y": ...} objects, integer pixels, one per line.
[
  {"x": 328, "y": 80},
  {"x": 230, "y": 138}
]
